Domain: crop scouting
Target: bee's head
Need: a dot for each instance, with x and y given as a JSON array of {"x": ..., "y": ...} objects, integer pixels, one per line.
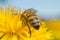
[{"x": 35, "y": 23}]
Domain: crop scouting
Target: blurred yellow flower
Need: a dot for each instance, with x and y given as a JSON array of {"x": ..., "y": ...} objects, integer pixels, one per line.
[
  {"x": 11, "y": 27},
  {"x": 54, "y": 26}
]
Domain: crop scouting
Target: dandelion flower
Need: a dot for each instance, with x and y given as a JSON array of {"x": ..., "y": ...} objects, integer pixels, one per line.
[
  {"x": 54, "y": 26},
  {"x": 11, "y": 27}
]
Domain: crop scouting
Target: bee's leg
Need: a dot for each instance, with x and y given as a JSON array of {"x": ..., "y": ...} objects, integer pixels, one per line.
[
  {"x": 29, "y": 29},
  {"x": 25, "y": 23},
  {"x": 3, "y": 35}
]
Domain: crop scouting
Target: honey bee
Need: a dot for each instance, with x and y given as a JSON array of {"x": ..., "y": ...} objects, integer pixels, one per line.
[{"x": 31, "y": 18}]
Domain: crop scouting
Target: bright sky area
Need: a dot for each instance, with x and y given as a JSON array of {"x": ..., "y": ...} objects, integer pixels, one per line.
[{"x": 46, "y": 8}]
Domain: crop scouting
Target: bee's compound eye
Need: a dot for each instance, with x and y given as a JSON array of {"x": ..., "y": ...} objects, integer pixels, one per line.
[{"x": 37, "y": 27}]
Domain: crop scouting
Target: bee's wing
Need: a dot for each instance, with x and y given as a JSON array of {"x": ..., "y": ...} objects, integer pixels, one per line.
[{"x": 31, "y": 10}]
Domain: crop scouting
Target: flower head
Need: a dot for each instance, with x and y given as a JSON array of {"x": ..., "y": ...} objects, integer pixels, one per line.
[
  {"x": 11, "y": 27},
  {"x": 54, "y": 25}
]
